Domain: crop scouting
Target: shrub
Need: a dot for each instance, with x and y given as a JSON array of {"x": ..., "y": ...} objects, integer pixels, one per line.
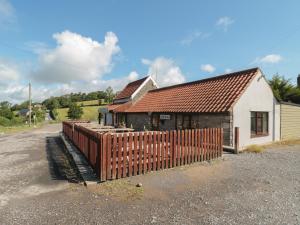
[
  {"x": 16, "y": 121},
  {"x": 4, "y": 121},
  {"x": 254, "y": 149},
  {"x": 75, "y": 111}
]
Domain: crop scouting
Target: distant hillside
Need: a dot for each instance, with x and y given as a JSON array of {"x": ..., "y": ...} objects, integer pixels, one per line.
[{"x": 89, "y": 113}]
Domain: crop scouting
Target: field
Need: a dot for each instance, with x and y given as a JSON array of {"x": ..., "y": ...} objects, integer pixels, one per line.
[
  {"x": 20, "y": 128},
  {"x": 89, "y": 113},
  {"x": 91, "y": 102}
]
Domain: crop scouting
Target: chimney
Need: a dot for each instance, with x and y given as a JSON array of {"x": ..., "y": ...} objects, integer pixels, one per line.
[{"x": 298, "y": 81}]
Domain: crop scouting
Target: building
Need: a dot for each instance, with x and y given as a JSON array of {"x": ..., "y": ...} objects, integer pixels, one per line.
[
  {"x": 24, "y": 113},
  {"x": 128, "y": 96},
  {"x": 241, "y": 99},
  {"x": 289, "y": 120}
]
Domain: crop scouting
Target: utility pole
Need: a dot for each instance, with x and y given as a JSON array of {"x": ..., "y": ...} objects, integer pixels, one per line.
[{"x": 29, "y": 104}]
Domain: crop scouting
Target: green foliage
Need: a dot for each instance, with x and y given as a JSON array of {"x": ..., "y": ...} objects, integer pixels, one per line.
[
  {"x": 92, "y": 98},
  {"x": 4, "y": 121},
  {"x": 40, "y": 114},
  {"x": 75, "y": 111},
  {"x": 109, "y": 94},
  {"x": 5, "y": 110},
  {"x": 51, "y": 103},
  {"x": 23, "y": 105},
  {"x": 284, "y": 90},
  {"x": 11, "y": 122},
  {"x": 54, "y": 114}
]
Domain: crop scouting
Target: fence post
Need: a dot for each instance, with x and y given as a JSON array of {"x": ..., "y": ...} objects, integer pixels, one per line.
[{"x": 236, "y": 139}]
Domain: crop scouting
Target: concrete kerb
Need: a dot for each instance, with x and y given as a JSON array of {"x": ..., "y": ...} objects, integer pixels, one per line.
[{"x": 85, "y": 170}]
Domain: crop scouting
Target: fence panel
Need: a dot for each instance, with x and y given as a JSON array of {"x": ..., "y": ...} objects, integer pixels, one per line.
[{"x": 117, "y": 155}]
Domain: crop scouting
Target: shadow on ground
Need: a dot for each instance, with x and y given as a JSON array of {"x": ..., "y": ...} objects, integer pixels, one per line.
[{"x": 61, "y": 165}]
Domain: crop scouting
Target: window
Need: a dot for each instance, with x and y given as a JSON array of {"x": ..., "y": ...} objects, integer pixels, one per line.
[
  {"x": 155, "y": 121},
  {"x": 259, "y": 124}
]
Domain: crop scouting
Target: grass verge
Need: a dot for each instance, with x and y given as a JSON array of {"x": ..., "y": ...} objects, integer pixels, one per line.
[
  {"x": 255, "y": 149},
  {"x": 121, "y": 189},
  {"x": 15, "y": 129}
]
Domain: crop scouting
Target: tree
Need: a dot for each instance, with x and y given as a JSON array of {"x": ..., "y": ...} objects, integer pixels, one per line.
[
  {"x": 75, "y": 111},
  {"x": 283, "y": 89},
  {"x": 51, "y": 103},
  {"x": 109, "y": 94},
  {"x": 64, "y": 101},
  {"x": 5, "y": 110}
]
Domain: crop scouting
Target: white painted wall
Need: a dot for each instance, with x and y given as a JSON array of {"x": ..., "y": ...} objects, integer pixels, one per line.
[{"x": 257, "y": 97}]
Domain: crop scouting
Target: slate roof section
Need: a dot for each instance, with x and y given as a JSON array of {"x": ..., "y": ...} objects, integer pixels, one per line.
[
  {"x": 216, "y": 94},
  {"x": 130, "y": 89}
]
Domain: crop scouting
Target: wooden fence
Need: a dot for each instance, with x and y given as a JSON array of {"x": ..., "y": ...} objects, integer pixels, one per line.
[{"x": 118, "y": 155}]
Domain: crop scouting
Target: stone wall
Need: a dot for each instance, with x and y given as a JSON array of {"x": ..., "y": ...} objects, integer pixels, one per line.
[
  {"x": 138, "y": 121},
  {"x": 199, "y": 120},
  {"x": 216, "y": 120}
]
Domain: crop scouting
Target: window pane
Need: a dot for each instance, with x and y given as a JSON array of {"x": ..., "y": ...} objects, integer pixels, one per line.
[
  {"x": 253, "y": 125},
  {"x": 265, "y": 123},
  {"x": 259, "y": 125}
]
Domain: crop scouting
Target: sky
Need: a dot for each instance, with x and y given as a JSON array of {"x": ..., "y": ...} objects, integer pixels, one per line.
[{"x": 70, "y": 46}]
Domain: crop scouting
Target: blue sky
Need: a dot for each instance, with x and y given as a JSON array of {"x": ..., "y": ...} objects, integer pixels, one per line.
[{"x": 60, "y": 45}]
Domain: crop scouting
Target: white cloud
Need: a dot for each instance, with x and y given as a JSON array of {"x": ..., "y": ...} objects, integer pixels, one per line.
[
  {"x": 271, "y": 59},
  {"x": 165, "y": 71},
  {"x": 76, "y": 58},
  {"x": 133, "y": 76},
  {"x": 7, "y": 12},
  {"x": 8, "y": 72},
  {"x": 228, "y": 70},
  {"x": 207, "y": 68},
  {"x": 224, "y": 22},
  {"x": 37, "y": 47},
  {"x": 16, "y": 92},
  {"x": 193, "y": 36}
]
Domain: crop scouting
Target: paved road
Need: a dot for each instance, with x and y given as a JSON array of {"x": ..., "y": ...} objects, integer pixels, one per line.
[{"x": 38, "y": 186}]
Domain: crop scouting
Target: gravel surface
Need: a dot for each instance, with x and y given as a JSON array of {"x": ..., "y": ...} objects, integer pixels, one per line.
[{"x": 38, "y": 186}]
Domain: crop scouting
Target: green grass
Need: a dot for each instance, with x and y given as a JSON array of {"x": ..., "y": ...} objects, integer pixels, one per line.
[
  {"x": 91, "y": 103},
  {"x": 89, "y": 113},
  {"x": 15, "y": 129}
]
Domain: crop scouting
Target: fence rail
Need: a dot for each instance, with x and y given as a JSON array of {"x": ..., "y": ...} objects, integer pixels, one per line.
[{"x": 118, "y": 155}]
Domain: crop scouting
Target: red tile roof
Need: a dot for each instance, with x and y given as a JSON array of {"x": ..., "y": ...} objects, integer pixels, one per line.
[
  {"x": 130, "y": 89},
  {"x": 112, "y": 107},
  {"x": 119, "y": 107},
  {"x": 216, "y": 94}
]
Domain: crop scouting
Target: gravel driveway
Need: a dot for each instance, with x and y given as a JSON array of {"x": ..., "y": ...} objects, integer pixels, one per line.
[{"x": 38, "y": 186}]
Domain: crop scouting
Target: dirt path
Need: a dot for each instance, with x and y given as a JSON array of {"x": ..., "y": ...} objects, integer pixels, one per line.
[{"x": 36, "y": 188}]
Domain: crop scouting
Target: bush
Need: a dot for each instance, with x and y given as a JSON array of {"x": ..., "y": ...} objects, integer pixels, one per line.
[
  {"x": 4, "y": 121},
  {"x": 16, "y": 121},
  {"x": 75, "y": 111},
  {"x": 254, "y": 149}
]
